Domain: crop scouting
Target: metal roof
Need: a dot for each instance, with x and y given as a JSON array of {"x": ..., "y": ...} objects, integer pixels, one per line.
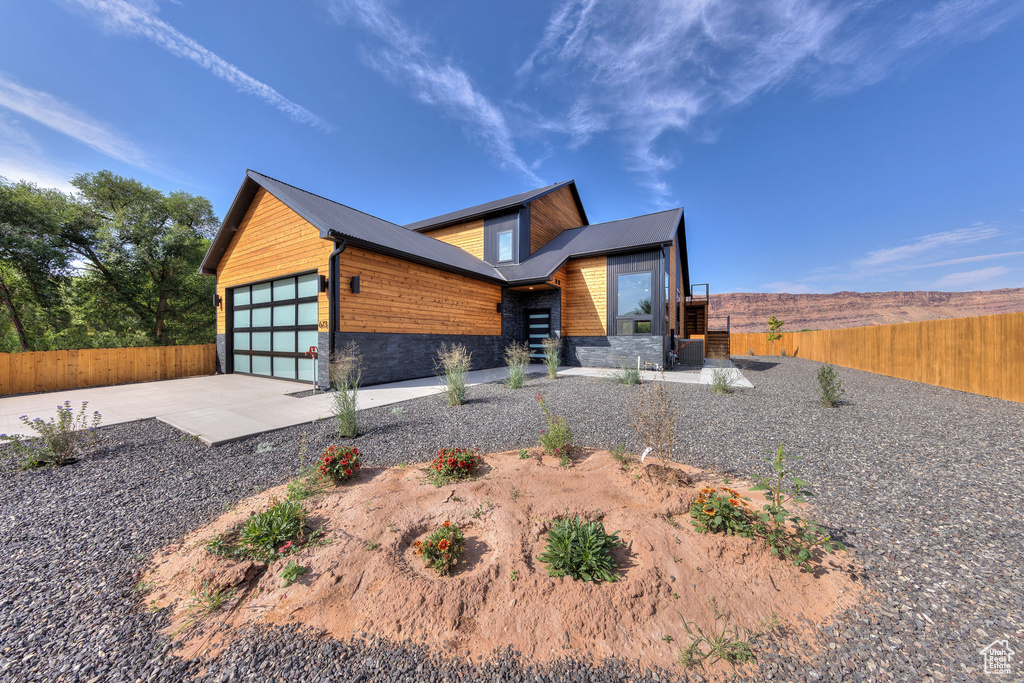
[
  {"x": 497, "y": 205},
  {"x": 629, "y": 234},
  {"x": 334, "y": 220},
  {"x": 356, "y": 226}
]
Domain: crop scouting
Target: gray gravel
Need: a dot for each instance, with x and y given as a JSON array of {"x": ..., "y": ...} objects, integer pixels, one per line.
[{"x": 924, "y": 484}]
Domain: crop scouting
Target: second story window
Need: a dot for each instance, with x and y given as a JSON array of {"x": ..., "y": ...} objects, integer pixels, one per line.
[{"x": 505, "y": 246}]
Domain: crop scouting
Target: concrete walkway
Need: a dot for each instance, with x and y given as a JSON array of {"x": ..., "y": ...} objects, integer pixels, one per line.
[
  {"x": 688, "y": 376},
  {"x": 223, "y": 408}
]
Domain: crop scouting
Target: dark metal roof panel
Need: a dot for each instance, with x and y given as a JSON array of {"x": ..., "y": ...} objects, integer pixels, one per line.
[
  {"x": 497, "y": 205},
  {"x": 328, "y": 215},
  {"x": 651, "y": 230}
]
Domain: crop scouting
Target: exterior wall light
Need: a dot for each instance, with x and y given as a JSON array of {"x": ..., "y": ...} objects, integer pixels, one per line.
[{"x": 355, "y": 284}]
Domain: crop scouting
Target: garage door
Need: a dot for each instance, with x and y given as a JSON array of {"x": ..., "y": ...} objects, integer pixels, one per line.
[{"x": 274, "y": 324}]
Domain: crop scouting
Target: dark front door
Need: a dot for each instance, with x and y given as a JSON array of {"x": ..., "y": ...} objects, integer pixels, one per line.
[{"x": 538, "y": 328}]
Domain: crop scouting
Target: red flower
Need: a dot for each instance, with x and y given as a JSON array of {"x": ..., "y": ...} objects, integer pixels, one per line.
[
  {"x": 446, "y": 524},
  {"x": 348, "y": 472},
  {"x": 443, "y": 544}
]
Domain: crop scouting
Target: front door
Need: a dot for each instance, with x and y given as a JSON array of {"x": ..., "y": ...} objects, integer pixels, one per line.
[{"x": 538, "y": 328}]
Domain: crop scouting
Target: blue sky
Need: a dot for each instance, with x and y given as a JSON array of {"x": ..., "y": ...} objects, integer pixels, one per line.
[{"x": 816, "y": 146}]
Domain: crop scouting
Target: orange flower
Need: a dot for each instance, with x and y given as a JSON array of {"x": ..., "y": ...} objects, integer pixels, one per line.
[
  {"x": 708, "y": 510},
  {"x": 734, "y": 502},
  {"x": 443, "y": 544},
  {"x": 446, "y": 524}
]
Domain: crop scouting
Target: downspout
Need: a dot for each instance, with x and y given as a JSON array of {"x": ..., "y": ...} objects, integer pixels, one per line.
[{"x": 333, "y": 292}]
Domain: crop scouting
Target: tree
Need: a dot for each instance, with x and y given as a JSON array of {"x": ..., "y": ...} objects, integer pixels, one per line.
[
  {"x": 142, "y": 249},
  {"x": 774, "y": 327},
  {"x": 33, "y": 261}
]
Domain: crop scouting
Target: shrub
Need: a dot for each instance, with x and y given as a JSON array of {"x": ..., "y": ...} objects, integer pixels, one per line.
[
  {"x": 552, "y": 355},
  {"x": 830, "y": 387},
  {"x": 267, "y": 535},
  {"x": 557, "y": 438},
  {"x": 292, "y": 572},
  {"x": 626, "y": 375},
  {"x": 517, "y": 357},
  {"x": 721, "y": 381},
  {"x": 750, "y": 352},
  {"x": 580, "y": 549},
  {"x": 346, "y": 374},
  {"x": 799, "y": 544},
  {"x": 451, "y": 464},
  {"x": 62, "y": 438},
  {"x": 774, "y": 333},
  {"x": 654, "y": 418},
  {"x": 443, "y": 548},
  {"x": 310, "y": 481},
  {"x": 340, "y": 464},
  {"x": 721, "y": 511},
  {"x": 452, "y": 366}
]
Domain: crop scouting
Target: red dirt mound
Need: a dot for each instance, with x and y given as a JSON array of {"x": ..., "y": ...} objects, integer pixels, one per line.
[{"x": 500, "y": 594}]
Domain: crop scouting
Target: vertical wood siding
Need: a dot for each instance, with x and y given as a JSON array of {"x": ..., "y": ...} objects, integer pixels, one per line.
[
  {"x": 271, "y": 241},
  {"x": 467, "y": 236},
  {"x": 584, "y": 298},
  {"x": 397, "y": 296},
  {"x": 22, "y": 373},
  {"x": 550, "y": 215},
  {"x": 981, "y": 355}
]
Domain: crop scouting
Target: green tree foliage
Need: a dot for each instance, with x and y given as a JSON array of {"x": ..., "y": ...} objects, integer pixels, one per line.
[
  {"x": 115, "y": 264},
  {"x": 774, "y": 331}
]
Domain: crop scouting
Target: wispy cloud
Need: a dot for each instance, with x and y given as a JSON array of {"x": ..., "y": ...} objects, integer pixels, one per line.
[
  {"x": 646, "y": 70},
  {"x": 406, "y": 58},
  {"x": 51, "y": 112},
  {"x": 971, "y": 277},
  {"x": 928, "y": 243},
  {"x": 124, "y": 17}
]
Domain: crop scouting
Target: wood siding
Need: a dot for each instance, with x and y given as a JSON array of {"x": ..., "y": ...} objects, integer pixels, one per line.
[
  {"x": 397, "y": 296},
  {"x": 466, "y": 236},
  {"x": 22, "y": 373},
  {"x": 271, "y": 241},
  {"x": 981, "y": 355},
  {"x": 550, "y": 215},
  {"x": 584, "y": 298},
  {"x": 560, "y": 279}
]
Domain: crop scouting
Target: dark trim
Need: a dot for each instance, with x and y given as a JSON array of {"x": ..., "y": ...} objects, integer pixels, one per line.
[
  {"x": 277, "y": 328},
  {"x": 333, "y": 294},
  {"x": 274, "y": 354},
  {"x": 464, "y": 218}
]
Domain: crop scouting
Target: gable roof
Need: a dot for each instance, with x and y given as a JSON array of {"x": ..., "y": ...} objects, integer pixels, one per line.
[
  {"x": 337, "y": 221},
  {"x": 345, "y": 222},
  {"x": 652, "y": 230},
  {"x": 497, "y": 205}
]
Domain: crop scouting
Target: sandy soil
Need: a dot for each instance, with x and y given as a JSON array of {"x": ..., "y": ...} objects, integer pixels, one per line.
[{"x": 500, "y": 594}]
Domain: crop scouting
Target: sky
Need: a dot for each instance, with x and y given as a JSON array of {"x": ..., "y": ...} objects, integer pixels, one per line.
[{"x": 815, "y": 146}]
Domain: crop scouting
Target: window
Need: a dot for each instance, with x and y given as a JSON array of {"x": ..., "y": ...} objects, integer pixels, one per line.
[
  {"x": 505, "y": 246},
  {"x": 633, "y": 303}
]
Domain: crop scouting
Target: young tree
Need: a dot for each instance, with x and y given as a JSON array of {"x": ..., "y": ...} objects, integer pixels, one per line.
[{"x": 774, "y": 327}]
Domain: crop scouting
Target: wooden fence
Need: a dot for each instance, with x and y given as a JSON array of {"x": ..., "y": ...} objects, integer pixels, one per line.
[
  {"x": 54, "y": 370},
  {"x": 983, "y": 355}
]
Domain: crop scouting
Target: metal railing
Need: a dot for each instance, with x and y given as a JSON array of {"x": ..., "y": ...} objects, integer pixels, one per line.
[
  {"x": 696, "y": 294},
  {"x": 728, "y": 323}
]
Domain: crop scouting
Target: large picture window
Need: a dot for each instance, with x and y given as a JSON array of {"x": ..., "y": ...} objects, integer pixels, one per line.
[{"x": 633, "y": 303}]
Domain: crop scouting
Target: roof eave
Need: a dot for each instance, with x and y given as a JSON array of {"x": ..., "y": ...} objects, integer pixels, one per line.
[
  {"x": 218, "y": 247},
  {"x": 505, "y": 207}
]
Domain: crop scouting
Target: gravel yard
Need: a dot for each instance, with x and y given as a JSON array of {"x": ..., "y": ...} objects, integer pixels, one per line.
[{"x": 924, "y": 484}]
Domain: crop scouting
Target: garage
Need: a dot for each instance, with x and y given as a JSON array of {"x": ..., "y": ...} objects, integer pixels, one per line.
[{"x": 273, "y": 325}]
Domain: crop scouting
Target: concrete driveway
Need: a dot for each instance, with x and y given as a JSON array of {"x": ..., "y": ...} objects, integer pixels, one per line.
[
  {"x": 223, "y": 408},
  {"x": 216, "y": 408}
]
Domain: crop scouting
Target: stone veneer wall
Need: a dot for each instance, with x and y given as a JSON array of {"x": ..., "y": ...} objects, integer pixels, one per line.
[
  {"x": 222, "y": 353},
  {"x": 395, "y": 357},
  {"x": 513, "y": 306},
  {"x": 613, "y": 352}
]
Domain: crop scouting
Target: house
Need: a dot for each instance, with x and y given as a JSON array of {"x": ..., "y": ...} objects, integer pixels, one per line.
[{"x": 295, "y": 270}]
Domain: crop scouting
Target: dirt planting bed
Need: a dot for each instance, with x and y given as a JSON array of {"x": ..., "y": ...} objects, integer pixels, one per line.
[{"x": 365, "y": 577}]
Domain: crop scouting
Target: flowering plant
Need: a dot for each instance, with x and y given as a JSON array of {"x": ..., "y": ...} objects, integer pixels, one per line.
[
  {"x": 453, "y": 463},
  {"x": 442, "y": 549},
  {"x": 722, "y": 510},
  {"x": 340, "y": 464}
]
